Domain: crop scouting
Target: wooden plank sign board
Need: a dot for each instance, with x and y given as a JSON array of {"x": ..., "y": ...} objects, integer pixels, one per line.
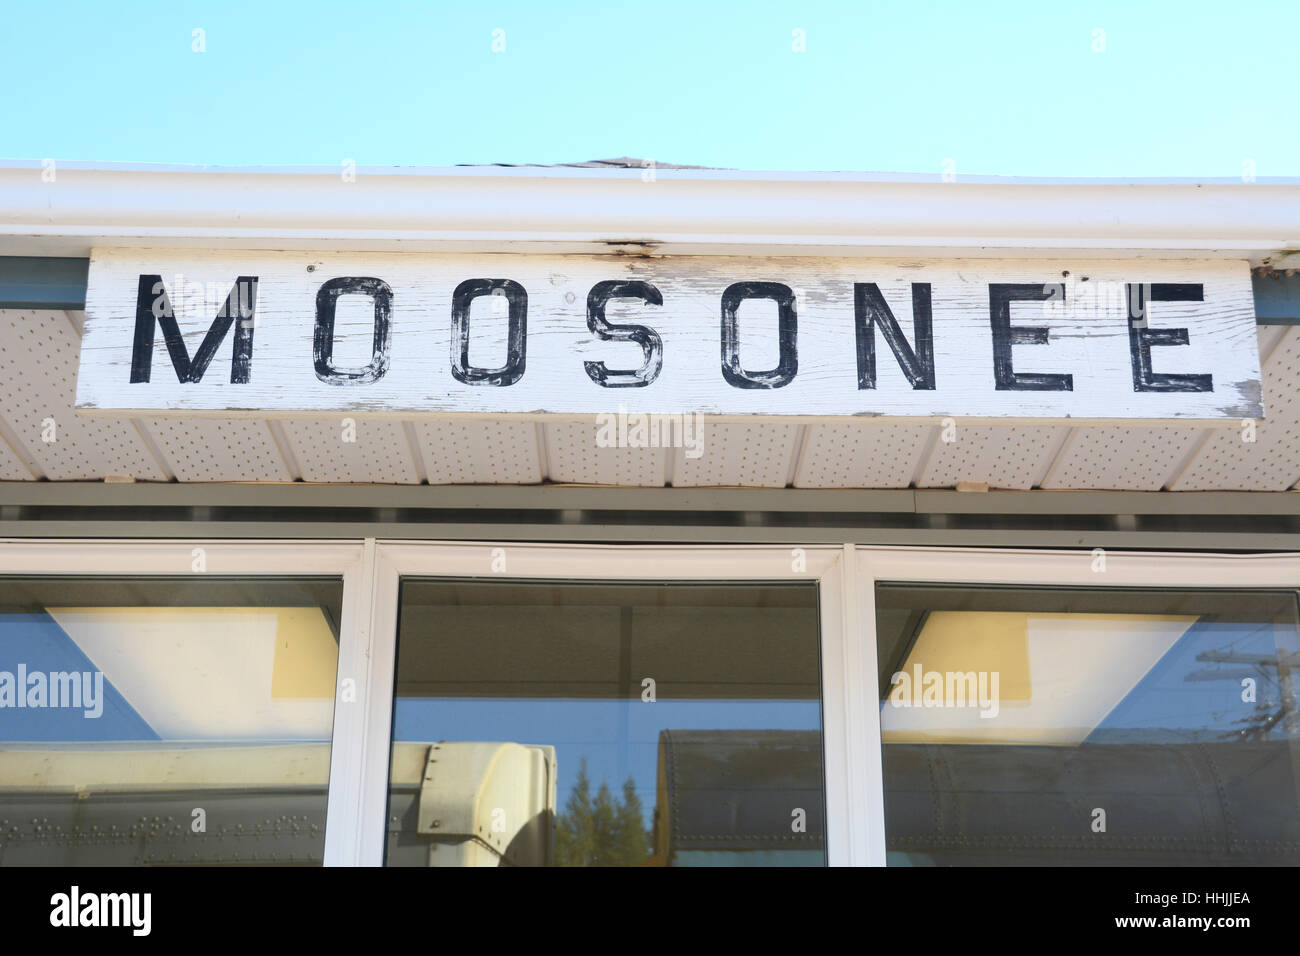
[{"x": 403, "y": 333}]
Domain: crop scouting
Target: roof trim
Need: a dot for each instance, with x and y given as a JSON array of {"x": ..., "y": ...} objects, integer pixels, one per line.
[
  {"x": 606, "y": 169},
  {"x": 1218, "y": 522},
  {"x": 611, "y": 210}
]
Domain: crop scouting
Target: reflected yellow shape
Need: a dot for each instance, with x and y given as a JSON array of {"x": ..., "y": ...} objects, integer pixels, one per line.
[
  {"x": 1081, "y": 666},
  {"x": 961, "y": 641},
  {"x": 306, "y": 654}
]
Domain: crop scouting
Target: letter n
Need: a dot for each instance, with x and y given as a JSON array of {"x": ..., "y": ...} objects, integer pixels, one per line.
[
  {"x": 152, "y": 305},
  {"x": 870, "y": 309}
]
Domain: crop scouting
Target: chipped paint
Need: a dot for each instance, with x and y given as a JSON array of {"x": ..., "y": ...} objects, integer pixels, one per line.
[{"x": 739, "y": 336}]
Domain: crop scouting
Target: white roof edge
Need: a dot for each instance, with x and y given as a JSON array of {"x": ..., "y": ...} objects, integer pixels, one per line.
[
  {"x": 599, "y": 210},
  {"x": 705, "y": 174}
]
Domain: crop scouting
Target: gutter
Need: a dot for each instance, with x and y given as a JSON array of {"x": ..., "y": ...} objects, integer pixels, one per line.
[{"x": 68, "y": 209}]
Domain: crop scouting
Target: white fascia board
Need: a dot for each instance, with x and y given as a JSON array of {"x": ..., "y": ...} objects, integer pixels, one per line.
[{"x": 686, "y": 212}]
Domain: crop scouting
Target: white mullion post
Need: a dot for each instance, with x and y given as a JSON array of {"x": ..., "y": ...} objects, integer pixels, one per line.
[
  {"x": 343, "y": 817},
  {"x": 861, "y": 722},
  {"x": 872, "y": 752},
  {"x": 833, "y": 637},
  {"x": 377, "y": 706},
  {"x": 852, "y": 722}
]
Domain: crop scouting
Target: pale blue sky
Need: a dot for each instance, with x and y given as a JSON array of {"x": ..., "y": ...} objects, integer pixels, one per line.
[{"x": 1181, "y": 89}]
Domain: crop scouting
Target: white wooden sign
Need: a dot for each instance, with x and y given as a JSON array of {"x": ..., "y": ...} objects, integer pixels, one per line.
[{"x": 282, "y": 332}]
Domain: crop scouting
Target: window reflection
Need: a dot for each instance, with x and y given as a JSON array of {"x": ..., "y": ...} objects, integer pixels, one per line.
[
  {"x": 165, "y": 720},
  {"x": 606, "y": 725},
  {"x": 1102, "y": 726}
]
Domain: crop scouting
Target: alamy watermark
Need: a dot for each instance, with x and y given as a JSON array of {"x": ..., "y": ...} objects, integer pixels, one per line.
[
  {"x": 1079, "y": 297},
  {"x": 130, "y": 910},
  {"x": 624, "y": 429},
  {"x": 76, "y": 690},
  {"x": 181, "y": 296},
  {"x": 922, "y": 688}
]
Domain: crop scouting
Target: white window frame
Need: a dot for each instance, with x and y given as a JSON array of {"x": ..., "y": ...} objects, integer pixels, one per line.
[
  {"x": 349, "y": 560},
  {"x": 826, "y": 565},
  {"x": 1029, "y": 568},
  {"x": 371, "y": 571}
]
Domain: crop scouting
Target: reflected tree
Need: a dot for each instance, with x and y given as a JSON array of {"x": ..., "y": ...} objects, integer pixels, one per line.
[{"x": 600, "y": 831}]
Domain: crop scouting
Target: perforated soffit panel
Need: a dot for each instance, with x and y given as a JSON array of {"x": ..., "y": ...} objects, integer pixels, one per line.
[{"x": 41, "y": 437}]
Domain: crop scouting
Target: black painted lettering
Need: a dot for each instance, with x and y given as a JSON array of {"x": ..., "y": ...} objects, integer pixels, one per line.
[
  {"x": 516, "y": 336},
  {"x": 323, "y": 345},
  {"x": 870, "y": 309},
  {"x": 787, "y": 329},
  {"x": 1001, "y": 295},
  {"x": 1141, "y": 338},
  {"x": 153, "y": 306},
  {"x": 651, "y": 344}
]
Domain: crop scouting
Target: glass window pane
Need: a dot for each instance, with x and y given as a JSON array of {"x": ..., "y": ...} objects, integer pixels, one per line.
[
  {"x": 606, "y": 724},
  {"x": 1095, "y": 726},
  {"x": 165, "y": 720}
]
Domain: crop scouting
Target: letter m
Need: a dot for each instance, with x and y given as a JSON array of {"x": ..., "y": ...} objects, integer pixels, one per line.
[
  {"x": 961, "y": 688},
  {"x": 152, "y": 306},
  {"x": 65, "y": 686},
  {"x": 119, "y": 905}
]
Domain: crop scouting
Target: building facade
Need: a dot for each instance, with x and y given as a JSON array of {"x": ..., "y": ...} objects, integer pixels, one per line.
[{"x": 646, "y": 515}]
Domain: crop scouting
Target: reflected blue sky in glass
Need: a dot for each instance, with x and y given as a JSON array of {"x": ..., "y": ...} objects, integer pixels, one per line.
[
  {"x": 618, "y": 737},
  {"x": 1193, "y": 694},
  {"x": 37, "y": 643}
]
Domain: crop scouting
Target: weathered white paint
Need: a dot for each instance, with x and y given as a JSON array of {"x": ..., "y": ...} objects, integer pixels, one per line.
[{"x": 1089, "y": 336}]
